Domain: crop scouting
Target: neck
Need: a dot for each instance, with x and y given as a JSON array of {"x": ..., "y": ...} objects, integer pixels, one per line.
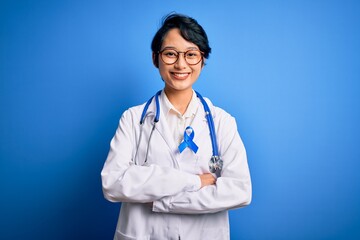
[{"x": 179, "y": 99}]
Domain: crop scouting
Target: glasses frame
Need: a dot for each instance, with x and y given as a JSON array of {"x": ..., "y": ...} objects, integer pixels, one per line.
[{"x": 177, "y": 59}]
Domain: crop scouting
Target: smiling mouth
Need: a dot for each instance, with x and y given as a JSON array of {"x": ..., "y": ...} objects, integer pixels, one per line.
[{"x": 180, "y": 76}]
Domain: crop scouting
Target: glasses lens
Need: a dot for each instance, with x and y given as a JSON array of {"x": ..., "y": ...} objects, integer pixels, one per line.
[
  {"x": 193, "y": 57},
  {"x": 169, "y": 56}
]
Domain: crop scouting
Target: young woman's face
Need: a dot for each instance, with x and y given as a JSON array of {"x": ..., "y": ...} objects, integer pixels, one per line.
[{"x": 179, "y": 76}]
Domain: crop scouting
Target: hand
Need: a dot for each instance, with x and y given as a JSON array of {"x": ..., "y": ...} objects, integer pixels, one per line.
[{"x": 207, "y": 179}]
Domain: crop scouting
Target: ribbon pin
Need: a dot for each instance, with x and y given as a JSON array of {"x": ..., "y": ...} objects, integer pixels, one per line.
[{"x": 188, "y": 141}]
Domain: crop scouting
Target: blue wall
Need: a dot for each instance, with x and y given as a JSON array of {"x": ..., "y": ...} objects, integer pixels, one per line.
[{"x": 289, "y": 71}]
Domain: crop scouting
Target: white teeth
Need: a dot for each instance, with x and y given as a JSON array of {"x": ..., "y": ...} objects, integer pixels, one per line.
[{"x": 181, "y": 74}]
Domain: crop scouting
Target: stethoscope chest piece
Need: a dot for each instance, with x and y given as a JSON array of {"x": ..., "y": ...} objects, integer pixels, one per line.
[{"x": 215, "y": 164}]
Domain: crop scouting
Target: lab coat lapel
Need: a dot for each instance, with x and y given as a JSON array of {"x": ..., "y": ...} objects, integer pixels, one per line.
[
  {"x": 199, "y": 124},
  {"x": 163, "y": 128}
]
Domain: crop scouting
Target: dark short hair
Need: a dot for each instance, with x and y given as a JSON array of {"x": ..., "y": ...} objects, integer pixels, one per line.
[{"x": 190, "y": 30}]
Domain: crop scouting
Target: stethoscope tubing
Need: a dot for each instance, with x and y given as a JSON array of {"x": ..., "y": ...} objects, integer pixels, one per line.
[
  {"x": 210, "y": 121},
  {"x": 157, "y": 115}
]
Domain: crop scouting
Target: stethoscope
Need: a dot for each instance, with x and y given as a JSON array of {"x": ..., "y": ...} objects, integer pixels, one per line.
[{"x": 215, "y": 162}]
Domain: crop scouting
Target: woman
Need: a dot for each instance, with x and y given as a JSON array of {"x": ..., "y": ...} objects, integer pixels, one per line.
[{"x": 158, "y": 165}]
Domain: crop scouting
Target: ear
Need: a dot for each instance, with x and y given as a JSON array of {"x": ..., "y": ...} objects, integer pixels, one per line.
[
  {"x": 156, "y": 64},
  {"x": 203, "y": 63}
]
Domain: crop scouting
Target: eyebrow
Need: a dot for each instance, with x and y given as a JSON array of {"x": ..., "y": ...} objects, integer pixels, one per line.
[{"x": 189, "y": 48}]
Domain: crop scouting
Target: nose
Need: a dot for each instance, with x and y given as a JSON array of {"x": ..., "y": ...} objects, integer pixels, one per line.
[{"x": 181, "y": 62}]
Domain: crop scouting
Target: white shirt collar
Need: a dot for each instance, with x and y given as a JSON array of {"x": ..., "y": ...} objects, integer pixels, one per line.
[{"x": 168, "y": 107}]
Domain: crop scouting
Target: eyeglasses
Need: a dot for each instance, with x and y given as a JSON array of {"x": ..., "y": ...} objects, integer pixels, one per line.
[{"x": 170, "y": 56}]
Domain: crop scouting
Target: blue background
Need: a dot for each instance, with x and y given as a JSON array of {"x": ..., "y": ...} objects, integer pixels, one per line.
[{"x": 288, "y": 71}]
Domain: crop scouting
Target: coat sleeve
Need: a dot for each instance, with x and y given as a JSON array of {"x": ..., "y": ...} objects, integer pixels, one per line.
[
  {"x": 123, "y": 181},
  {"x": 233, "y": 188}
]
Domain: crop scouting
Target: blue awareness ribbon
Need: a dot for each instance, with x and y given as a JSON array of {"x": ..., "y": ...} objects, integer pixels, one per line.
[{"x": 188, "y": 141}]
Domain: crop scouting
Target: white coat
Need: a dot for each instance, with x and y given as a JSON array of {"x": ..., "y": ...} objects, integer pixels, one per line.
[{"x": 180, "y": 210}]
